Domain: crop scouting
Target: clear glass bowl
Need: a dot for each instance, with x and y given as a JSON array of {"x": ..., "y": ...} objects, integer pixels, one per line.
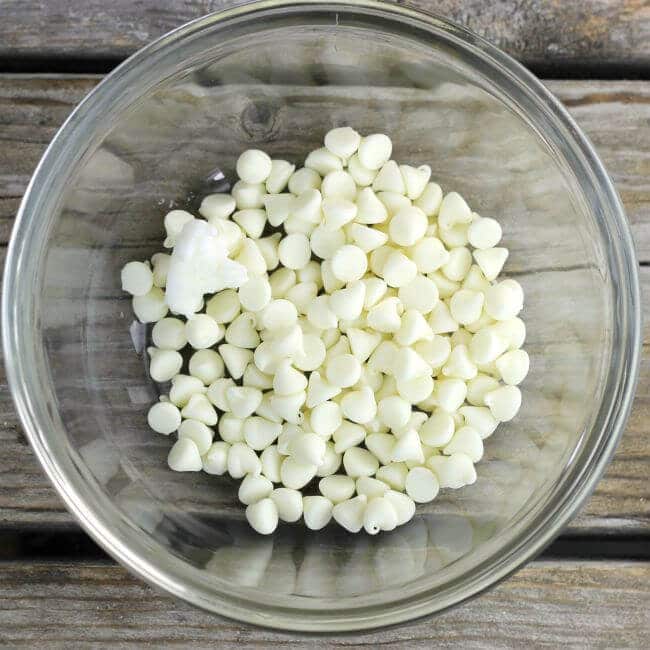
[{"x": 277, "y": 76}]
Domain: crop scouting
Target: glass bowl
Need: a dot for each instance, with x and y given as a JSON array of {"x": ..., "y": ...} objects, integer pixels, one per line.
[{"x": 277, "y": 76}]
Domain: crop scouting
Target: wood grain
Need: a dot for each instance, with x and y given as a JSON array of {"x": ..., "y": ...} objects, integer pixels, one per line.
[
  {"x": 539, "y": 32},
  {"x": 101, "y": 605},
  {"x": 612, "y": 113}
]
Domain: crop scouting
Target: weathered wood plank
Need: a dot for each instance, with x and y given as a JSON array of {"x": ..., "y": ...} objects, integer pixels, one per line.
[
  {"x": 537, "y": 32},
  {"x": 613, "y": 113},
  {"x": 101, "y": 605}
]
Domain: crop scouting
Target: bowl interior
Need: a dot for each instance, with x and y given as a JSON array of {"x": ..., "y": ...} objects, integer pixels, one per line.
[{"x": 278, "y": 81}]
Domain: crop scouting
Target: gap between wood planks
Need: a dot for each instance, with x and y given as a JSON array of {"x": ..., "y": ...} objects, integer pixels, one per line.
[
  {"x": 552, "y": 70},
  {"x": 69, "y": 544}
]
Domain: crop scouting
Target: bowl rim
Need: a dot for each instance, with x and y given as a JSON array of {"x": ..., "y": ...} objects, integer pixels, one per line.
[{"x": 539, "y": 533}]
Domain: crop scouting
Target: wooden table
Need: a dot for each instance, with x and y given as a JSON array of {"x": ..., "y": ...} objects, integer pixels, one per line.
[{"x": 590, "y": 589}]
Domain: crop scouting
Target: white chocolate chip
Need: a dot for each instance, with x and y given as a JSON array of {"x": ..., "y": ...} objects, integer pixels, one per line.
[
  {"x": 164, "y": 417},
  {"x": 342, "y": 141},
  {"x": 164, "y": 364},
  {"x": 254, "y": 166},
  {"x": 242, "y": 460},
  {"x": 453, "y": 471},
  {"x": 408, "y": 226},
  {"x": 254, "y": 488},
  {"x": 359, "y": 462},
  {"x": 375, "y": 150},
  {"x": 379, "y": 515},
  {"x": 217, "y": 206},
  {"x": 296, "y": 474},
  {"x": 137, "y": 278},
  {"x": 263, "y": 516},
  {"x": 466, "y": 440},
  {"x": 350, "y": 514},
  {"x": 421, "y": 485},
  {"x": 215, "y": 460},
  {"x": 484, "y": 233},
  {"x": 184, "y": 456},
  {"x": 389, "y": 179},
  {"x": 398, "y": 270},
  {"x": 183, "y": 387},
  {"x": 503, "y": 402},
  {"x": 491, "y": 261},
  {"x": 339, "y": 184},
  {"x": 513, "y": 366},
  {"x": 288, "y": 502},
  {"x": 349, "y": 263},
  {"x": 359, "y": 405},
  {"x": 317, "y": 511},
  {"x": 337, "y": 488}
]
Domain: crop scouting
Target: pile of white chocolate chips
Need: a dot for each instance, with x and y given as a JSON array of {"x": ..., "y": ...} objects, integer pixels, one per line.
[{"x": 349, "y": 340}]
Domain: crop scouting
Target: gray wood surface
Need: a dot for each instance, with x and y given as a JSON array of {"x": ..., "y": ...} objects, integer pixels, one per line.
[
  {"x": 612, "y": 113},
  {"x": 543, "y": 32},
  {"x": 548, "y": 604}
]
